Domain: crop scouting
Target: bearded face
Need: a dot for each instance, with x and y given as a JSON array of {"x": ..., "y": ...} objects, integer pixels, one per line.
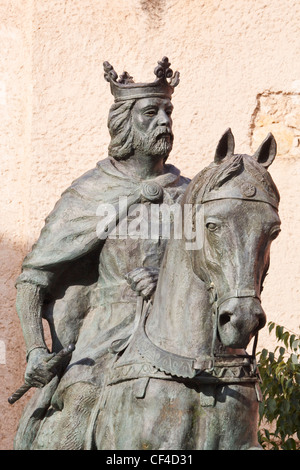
[
  {"x": 143, "y": 125},
  {"x": 152, "y": 127},
  {"x": 157, "y": 143}
]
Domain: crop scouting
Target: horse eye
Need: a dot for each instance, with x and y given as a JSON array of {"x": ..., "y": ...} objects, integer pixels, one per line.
[
  {"x": 275, "y": 231},
  {"x": 211, "y": 226}
]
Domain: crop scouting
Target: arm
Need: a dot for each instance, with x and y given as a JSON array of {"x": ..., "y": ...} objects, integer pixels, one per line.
[
  {"x": 29, "y": 307},
  {"x": 29, "y": 304}
]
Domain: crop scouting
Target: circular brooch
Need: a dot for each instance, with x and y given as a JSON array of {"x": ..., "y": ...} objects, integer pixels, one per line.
[
  {"x": 248, "y": 190},
  {"x": 152, "y": 191}
]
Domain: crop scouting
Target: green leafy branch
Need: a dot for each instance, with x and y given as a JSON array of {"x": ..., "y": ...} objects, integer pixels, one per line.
[{"x": 280, "y": 408}]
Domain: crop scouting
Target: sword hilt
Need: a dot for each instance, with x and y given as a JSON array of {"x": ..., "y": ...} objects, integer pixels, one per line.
[{"x": 52, "y": 363}]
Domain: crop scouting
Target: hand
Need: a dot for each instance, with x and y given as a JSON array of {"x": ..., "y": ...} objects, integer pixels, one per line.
[
  {"x": 37, "y": 373},
  {"x": 143, "y": 281}
]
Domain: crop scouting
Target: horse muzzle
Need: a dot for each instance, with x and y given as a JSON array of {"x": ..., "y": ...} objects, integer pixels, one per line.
[{"x": 239, "y": 319}]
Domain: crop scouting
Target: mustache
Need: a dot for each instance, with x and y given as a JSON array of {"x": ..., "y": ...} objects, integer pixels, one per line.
[{"x": 162, "y": 132}]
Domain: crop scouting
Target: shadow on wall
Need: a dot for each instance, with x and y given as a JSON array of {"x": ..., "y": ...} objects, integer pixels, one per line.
[{"x": 12, "y": 347}]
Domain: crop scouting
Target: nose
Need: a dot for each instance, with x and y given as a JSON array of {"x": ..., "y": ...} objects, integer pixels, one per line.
[
  {"x": 164, "y": 119},
  {"x": 239, "y": 320}
]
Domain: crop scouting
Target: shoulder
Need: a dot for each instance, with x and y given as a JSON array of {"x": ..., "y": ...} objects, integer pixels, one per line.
[
  {"x": 177, "y": 178},
  {"x": 86, "y": 183}
]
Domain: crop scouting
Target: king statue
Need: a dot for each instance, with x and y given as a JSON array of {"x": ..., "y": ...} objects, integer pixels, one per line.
[{"x": 87, "y": 284}]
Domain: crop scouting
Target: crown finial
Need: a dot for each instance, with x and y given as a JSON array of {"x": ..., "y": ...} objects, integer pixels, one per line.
[
  {"x": 124, "y": 88},
  {"x": 110, "y": 73}
]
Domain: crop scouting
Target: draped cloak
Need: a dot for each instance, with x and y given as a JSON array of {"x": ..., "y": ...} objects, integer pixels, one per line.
[{"x": 87, "y": 299}]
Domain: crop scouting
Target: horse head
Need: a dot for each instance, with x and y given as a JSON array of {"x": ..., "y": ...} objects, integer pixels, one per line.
[{"x": 237, "y": 201}]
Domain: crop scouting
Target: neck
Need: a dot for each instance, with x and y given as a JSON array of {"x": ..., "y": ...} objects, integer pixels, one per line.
[
  {"x": 181, "y": 321},
  {"x": 142, "y": 166}
]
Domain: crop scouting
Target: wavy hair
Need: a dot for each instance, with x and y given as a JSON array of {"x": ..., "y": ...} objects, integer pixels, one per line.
[{"x": 120, "y": 129}]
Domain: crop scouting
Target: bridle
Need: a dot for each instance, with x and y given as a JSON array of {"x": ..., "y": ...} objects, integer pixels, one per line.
[
  {"x": 196, "y": 368},
  {"x": 211, "y": 371},
  {"x": 216, "y": 303}
]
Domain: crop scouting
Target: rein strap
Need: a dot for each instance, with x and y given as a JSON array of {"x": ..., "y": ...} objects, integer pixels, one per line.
[{"x": 188, "y": 367}]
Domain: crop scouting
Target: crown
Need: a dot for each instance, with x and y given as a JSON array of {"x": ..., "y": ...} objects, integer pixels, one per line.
[{"x": 124, "y": 88}]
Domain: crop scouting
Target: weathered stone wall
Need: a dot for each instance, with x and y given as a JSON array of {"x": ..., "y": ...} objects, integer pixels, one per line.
[
  {"x": 15, "y": 143},
  {"x": 239, "y": 65}
]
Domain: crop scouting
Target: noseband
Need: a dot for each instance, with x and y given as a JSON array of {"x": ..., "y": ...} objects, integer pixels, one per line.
[
  {"x": 237, "y": 294},
  {"x": 217, "y": 302}
]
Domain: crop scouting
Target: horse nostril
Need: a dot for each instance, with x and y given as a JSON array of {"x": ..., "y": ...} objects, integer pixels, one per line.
[
  {"x": 224, "y": 318},
  {"x": 261, "y": 320}
]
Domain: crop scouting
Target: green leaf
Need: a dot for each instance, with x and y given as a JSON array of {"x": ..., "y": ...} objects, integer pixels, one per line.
[
  {"x": 292, "y": 339},
  {"x": 290, "y": 444},
  {"x": 294, "y": 358},
  {"x": 289, "y": 383},
  {"x": 271, "y": 356},
  {"x": 279, "y": 331},
  {"x": 282, "y": 351},
  {"x": 271, "y": 326},
  {"x": 263, "y": 355},
  {"x": 285, "y": 407},
  {"x": 285, "y": 338},
  {"x": 271, "y": 405}
]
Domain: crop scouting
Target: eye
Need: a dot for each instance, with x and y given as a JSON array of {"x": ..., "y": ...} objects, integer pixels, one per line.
[
  {"x": 169, "y": 112},
  {"x": 211, "y": 226},
  {"x": 274, "y": 232},
  {"x": 150, "y": 112}
]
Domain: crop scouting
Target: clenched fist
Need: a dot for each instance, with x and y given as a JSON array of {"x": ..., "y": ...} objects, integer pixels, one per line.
[
  {"x": 37, "y": 373},
  {"x": 143, "y": 280}
]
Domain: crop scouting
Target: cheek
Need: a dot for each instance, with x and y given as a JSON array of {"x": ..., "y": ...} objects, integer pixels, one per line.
[
  {"x": 213, "y": 252},
  {"x": 263, "y": 251},
  {"x": 142, "y": 123},
  {"x": 215, "y": 245},
  {"x": 263, "y": 259}
]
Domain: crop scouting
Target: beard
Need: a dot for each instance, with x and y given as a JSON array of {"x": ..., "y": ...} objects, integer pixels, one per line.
[{"x": 157, "y": 144}]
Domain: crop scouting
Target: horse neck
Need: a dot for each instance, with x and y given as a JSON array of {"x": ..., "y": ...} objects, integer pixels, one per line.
[{"x": 181, "y": 317}]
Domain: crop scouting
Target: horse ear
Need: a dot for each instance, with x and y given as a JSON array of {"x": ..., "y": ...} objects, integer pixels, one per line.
[
  {"x": 225, "y": 147},
  {"x": 266, "y": 153}
]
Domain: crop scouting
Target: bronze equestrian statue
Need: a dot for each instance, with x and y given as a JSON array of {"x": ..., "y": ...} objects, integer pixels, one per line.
[{"x": 149, "y": 335}]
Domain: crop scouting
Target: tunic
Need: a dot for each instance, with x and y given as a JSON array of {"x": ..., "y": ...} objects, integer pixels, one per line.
[{"x": 88, "y": 300}]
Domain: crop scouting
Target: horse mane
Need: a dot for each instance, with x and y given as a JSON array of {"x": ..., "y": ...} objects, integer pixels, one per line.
[
  {"x": 217, "y": 174},
  {"x": 233, "y": 168}
]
